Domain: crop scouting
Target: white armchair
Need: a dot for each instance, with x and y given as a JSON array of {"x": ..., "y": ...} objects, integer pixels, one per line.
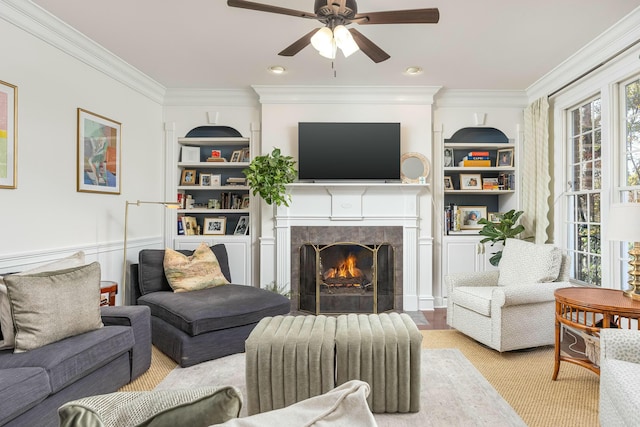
[
  {"x": 514, "y": 307},
  {"x": 619, "y": 377}
]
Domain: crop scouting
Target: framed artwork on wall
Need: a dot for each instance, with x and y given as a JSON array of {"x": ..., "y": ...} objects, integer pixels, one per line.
[
  {"x": 98, "y": 154},
  {"x": 8, "y": 135}
]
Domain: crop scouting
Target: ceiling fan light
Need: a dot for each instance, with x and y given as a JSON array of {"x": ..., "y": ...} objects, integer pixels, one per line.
[
  {"x": 345, "y": 40},
  {"x": 330, "y": 51},
  {"x": 322, "y": 39}
]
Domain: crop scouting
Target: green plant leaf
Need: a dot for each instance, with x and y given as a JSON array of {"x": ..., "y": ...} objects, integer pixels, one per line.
[{"x": 268, "y": 175}]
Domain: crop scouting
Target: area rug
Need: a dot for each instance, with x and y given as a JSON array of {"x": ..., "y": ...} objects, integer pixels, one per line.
[{"x": 453, "y": 392}]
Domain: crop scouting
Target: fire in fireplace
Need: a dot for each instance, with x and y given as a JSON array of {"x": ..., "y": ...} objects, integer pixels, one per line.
[{"x": 346, "y": 277}]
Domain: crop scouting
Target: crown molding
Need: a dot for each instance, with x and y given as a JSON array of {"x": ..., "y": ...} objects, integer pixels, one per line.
[
  {"x": 617, "y": 38},
  {"x": 411, "y": 95},
  {"x": 41, "y": 24},
  {"x": 204, "y": 97},
  {"x": 482, "y": 98}
]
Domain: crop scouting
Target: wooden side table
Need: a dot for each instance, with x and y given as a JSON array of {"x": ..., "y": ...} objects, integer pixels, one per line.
[
  {"x": 589, "y": 310},
  {"x": 108, "y": 291}
]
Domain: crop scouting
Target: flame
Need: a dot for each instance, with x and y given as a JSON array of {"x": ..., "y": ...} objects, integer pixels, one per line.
[{"x": 347, "y": 269}]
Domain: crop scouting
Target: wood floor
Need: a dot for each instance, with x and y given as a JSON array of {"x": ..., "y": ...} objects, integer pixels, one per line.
[{"x": 436, "y": 319}]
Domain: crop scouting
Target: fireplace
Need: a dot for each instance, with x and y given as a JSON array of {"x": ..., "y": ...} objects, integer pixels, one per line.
[{"x": 346, "y": 277}]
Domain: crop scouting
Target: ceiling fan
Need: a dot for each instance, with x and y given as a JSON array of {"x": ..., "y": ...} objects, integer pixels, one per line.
[{"x": 336, "y": 15}]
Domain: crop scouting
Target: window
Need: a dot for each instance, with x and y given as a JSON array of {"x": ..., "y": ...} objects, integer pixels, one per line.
[
  {"x": 584, "y": 197},
  {"x": 630, "y": 181}
]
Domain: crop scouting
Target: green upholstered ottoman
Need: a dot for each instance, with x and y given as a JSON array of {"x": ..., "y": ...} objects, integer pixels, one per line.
[{"x": 291, "y": 358}]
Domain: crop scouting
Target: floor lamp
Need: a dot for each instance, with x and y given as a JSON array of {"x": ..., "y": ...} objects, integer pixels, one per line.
[
  {"x": 171, "y": 205},
  {"x": 624, "y": 225}
]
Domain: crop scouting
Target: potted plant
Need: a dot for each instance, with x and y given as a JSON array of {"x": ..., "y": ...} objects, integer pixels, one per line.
[
  {"x": 500, "y": 231},
  {"x": 268, "y": 175}
]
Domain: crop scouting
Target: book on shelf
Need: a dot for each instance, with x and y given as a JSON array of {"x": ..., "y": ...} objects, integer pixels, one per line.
[
  {"x": 180, "y": 227},
  {"x": 216, "y": 159},
  {"x": 475, "y": 163},
  {"x": 236, "y": 181},
  {"x": 478, "y": 154}
]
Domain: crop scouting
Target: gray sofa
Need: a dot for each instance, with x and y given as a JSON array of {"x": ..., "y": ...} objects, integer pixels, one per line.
[
  {"x": 193, "y": 327},
  {"x": 35, "y": 383}
]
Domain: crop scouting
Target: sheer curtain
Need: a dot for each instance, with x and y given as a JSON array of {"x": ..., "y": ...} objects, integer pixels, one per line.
[{"x": 535, "y": 170}]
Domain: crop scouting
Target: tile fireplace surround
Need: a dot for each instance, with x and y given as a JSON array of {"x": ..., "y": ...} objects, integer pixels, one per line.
[{"x": 366, "y": 213}]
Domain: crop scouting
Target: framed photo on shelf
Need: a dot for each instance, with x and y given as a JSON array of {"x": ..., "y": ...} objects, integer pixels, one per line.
[
  {"x": 470, "y": 181},
  {"x": 243, "y": 226},
  {"x": 448, "y": 158},
  {"x": 205, "y": 180},
  {"x": 190, "y": 154},
  {"x": 493, "y": 217},
  {"x": 189, "y": 225},
  {"x": 245, "y": 202},
  {"x": 236, "y": 156},
  {"x": 216, "y": 179},
  {"x": 246, "y": 155},
  {"x": 98, "y": 168},
  {"x": 505, "y": 157},
  {"x": 188, "y": 177},
  {"x": 8, "y": 141},
  {"x": 448, "y": 183},
  {"x": 471, "y": 215},
  {"x": 215, "y": 225}
]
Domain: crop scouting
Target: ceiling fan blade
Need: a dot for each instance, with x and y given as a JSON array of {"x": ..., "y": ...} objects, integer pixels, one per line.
[
  {"x": 368, "y": 47},
  {"x": 411, "y": 16},
  {"x": 269, "y": 8},
  {"x": 299, "y": 44}
]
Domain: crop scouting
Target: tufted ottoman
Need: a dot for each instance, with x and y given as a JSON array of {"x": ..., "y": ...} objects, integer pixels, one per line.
[{"x": 291, "y": 358}]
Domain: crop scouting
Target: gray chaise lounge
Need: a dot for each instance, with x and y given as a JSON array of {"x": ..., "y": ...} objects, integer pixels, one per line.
[{"x": 193, "y": 327}]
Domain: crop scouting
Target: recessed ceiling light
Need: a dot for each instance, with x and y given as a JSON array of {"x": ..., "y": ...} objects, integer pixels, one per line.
[
  {"x": 277, "y": 69},
  {"x": 412, "y": 71}
]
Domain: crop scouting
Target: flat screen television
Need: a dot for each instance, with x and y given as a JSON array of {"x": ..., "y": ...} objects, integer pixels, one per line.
[{"x": 348, "y": 151}]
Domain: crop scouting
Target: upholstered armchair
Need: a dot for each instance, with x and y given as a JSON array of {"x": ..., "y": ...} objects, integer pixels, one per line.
[
  {"x": 513, "y": 307},
  {"x": 619, "y": 377}
]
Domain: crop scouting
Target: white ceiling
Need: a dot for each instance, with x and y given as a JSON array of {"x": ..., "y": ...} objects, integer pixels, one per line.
[{"x": 488, "y": 44}]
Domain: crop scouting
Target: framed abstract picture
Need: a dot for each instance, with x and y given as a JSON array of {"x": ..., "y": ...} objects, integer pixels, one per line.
[
  {"x": 99, "y": 147},
  {"x": 8, "y": 134}
]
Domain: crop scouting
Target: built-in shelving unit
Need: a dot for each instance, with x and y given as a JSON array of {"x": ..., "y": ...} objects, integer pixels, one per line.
[{"x": 220, "y": 212}]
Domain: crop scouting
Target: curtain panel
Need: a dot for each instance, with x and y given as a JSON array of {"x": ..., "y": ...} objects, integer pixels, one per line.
[{"x": 535, "y": 171}]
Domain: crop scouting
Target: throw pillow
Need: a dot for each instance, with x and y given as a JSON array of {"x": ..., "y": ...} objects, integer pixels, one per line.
[
  {"x": 190, "y": 273},
  {"x": 345, "y": 405},
  {"x": 525, "y": 262},
  {"x": 6, "y": 319},
  {"x": 201, "y": 406},
  {"x": 53, "y": 305}
]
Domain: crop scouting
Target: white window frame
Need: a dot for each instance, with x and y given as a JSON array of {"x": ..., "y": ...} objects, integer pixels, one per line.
[{"x": 605, "y": 83}]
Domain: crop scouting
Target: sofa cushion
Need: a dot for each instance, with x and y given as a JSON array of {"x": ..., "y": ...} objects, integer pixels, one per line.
[
  {"x": 6, "y": 319},
  {"x": 525, "y": 262},
  {"x": 53, "y": 305},
  {"x": 201, "y": 406},
  {"x": 21, "y": 390},
  {"x": 345, "y": 405},
  {"x": 70, "y": 359},
  {"x": 475, "y": 298},
  {"x": 212, "y": 309},
  {"x": 151, "y": 276},
  {"x": 187, "y": 273}
]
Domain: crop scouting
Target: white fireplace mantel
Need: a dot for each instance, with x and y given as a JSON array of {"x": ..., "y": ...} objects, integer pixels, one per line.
[{"x": 362, "y": 204}]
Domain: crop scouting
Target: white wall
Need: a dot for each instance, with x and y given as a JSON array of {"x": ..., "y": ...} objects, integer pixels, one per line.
[{"x": 45, "y": 217}]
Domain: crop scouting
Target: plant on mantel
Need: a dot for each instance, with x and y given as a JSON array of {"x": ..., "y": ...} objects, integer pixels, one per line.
[
  {"x": 500, "y": 231},
  {"x": 268, "y": 176}
]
